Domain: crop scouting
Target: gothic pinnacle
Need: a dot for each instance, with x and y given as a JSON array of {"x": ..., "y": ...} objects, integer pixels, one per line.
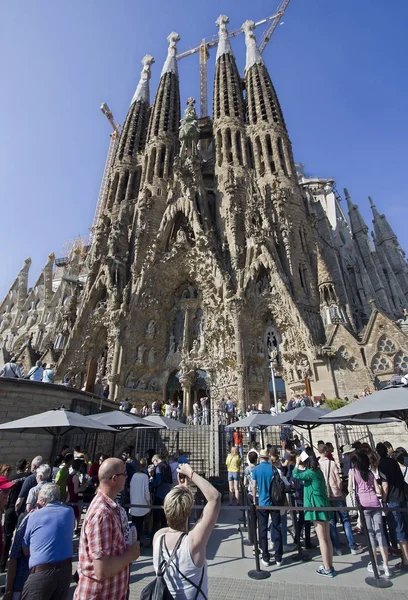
[
  {"x": 142, "y": 90},
  {"x": 224, "y": 46},
  {"x": 253, "y": 56},
  {"x": 170, "y": 64}
]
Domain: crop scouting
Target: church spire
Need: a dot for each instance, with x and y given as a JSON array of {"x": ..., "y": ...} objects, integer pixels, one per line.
[
  {"x": 162, "y": 136},
  {"x": 228, "y": 101},
  {"x": 357, "y": 222},
  {"x": 382, "y": 228}
]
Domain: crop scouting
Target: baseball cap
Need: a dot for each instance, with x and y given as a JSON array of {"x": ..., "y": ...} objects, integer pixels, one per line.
[{"x": 5, "y": 483}]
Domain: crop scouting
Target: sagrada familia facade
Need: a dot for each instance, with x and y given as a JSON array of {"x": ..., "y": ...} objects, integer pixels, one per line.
[{"x": 216, "y": 260}]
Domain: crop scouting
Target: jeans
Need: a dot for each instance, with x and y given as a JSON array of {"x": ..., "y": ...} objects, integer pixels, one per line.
[
  {"x": 138, "y": 521},
  {"x": 284, "y": 528},
  {"x": 346, "y": 524},
  {"x": 275, "y": 530},
  {"x": 398, "y": 521}
]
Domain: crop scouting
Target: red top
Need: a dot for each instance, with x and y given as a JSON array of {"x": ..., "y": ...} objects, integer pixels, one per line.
[{"x": 238, "y": 438}]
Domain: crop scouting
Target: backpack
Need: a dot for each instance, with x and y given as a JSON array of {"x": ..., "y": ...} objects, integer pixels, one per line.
[
  {"x": 277, "y": 489},
  {"x": 157, "y": 589},
  {"x": 166, "y": 474}
]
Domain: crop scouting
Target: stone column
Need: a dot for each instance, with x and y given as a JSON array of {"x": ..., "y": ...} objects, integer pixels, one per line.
[
  {"x": 187, "y": 403},
  {"x": 239, "y": 351}
]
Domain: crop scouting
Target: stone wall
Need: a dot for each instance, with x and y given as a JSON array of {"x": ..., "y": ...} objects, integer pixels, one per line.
[{"x": 21, "y": 398}]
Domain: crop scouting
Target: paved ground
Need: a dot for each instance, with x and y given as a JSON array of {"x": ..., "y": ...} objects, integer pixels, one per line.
[{"x": 229, "y": 561}]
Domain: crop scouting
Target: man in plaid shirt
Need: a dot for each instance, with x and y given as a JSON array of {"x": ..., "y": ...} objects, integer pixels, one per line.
[{"x": 104, "y": 555}]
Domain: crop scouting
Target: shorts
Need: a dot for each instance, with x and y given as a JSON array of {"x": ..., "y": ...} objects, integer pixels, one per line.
[{"x": 233, "y": 476}]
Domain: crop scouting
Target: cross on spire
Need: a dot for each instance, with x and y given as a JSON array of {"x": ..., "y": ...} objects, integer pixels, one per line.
[
  {"x": 170, "y": 65},
  {"x": 224, "y": 47},
  {"x": 253, "y": 56}
]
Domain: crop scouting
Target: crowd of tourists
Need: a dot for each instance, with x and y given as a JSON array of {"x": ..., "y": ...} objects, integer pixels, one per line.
[
  {"x": 294, "y": 474},
  {"x": 43, "y": 508}
]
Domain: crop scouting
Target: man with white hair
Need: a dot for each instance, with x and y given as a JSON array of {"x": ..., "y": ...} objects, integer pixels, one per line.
[
  {"x": 105, "y": 548},
  {"x": 42, "y": 476},
  {"x": 48, "y": 543}
]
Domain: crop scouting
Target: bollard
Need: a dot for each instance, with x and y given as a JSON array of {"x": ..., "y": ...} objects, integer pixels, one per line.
[
  {"x": 375, "y": 580},
  {"x": 256, "y": 573}
]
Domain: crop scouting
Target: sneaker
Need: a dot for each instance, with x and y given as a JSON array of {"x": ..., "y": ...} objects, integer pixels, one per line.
[
  {"x": 357, "y": 551},
  {"x": 386, "y": 572},
  {"x": 279, "y": 563},
  {"x": 322, "y": 571},
  {"x": 401, "y": 567},
  {"x": 265, "y": 563},
  {"x": 337, "y": 551},
  {"x": 370, "y": 567}
]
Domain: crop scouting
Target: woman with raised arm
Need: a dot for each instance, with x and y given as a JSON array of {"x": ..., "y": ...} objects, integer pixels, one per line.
[{"x": 186, "y": 572}]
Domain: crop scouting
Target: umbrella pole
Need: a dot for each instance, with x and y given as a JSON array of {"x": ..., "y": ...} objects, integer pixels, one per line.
[
  {"x": 114, "y": 443},
  {"x": 310, "y": 436},
  {"x": 262, "y": 439},
  {"x": 94, "y": 448}
]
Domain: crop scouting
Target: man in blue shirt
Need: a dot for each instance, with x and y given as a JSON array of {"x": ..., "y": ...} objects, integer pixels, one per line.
[
  {"x": 48, "y": 543},
  {"x": 261, "y": 482}
]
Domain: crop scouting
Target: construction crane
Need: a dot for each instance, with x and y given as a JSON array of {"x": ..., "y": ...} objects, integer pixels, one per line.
[
  {"x": 114, "y": 137},
  {"x": 206, "y": 44}
]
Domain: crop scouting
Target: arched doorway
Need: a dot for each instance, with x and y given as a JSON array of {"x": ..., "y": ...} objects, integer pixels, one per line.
[{"x": 174, "y": 390}]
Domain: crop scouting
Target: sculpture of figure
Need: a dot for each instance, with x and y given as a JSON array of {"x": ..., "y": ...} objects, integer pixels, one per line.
[
  {"x": 260, "y": 349},
  {"x": 151, "y": 356},
  {"x": 140, "y": 353},
  {"x": 151, "y": 329},
  {"x": 189, "y": 131},
  {"x": 142, "y": 384},
  {"x": 130, "y": 384}
]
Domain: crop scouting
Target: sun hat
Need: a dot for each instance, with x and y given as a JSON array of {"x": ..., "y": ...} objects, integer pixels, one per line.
[
  {"x": 347, "y": 449},
  {"x": 264, "y": 453},
  {"x": 5, "y": 483}
]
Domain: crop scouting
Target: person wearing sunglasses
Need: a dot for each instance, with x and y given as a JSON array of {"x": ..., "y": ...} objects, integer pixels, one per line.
[{"x": 105, "y": 550}]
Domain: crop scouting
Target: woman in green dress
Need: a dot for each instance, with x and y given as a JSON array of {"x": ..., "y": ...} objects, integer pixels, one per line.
[{"x": 315, "y": 497}]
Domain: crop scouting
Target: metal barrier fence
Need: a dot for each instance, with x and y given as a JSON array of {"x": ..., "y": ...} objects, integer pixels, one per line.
[{"x": 248, "y": 522}]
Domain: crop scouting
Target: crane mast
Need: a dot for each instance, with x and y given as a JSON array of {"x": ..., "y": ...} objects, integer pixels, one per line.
[{"x": 206, "y": 44}]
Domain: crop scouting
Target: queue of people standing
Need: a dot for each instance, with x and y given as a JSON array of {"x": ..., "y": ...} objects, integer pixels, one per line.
[
  {"x": 42, "y": 508},
  {"x": 372, "y": 478}
]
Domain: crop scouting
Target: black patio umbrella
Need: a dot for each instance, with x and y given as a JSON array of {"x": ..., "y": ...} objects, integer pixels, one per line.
[
  {"x": 56, "y": 422},
  {"x": 121, "y": 420},
  {"x": 256, "y": 420},
  {"x": 390, "y": 402},
  {"x": 306, "y": 417}
]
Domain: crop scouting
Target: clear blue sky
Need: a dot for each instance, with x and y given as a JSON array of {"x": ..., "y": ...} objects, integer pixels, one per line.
[{"x": 339, "y": 68}]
